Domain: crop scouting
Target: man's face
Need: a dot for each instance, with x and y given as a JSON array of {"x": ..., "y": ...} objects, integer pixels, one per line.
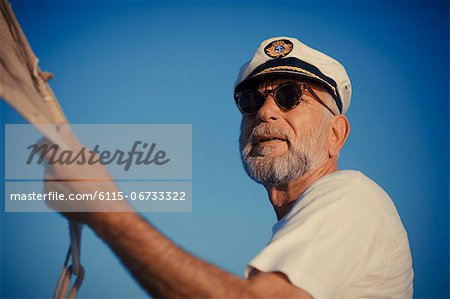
[{"x": 278, "y": 146}]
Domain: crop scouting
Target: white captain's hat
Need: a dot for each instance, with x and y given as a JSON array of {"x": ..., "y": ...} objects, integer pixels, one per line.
[{"x": 289, "y": 57}]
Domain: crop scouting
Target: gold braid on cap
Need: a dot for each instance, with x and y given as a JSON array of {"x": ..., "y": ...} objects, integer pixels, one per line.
[{"x": 298, "y": 70}]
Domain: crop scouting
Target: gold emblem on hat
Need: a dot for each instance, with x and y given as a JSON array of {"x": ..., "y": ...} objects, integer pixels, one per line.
[{"x": 278, "y": 48}]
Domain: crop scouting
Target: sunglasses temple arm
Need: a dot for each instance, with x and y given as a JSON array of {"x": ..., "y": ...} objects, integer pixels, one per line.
[{"x": 314, "y": 94}]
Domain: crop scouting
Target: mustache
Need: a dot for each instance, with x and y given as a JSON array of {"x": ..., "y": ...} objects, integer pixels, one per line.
[{"x": 263, "y": 130}]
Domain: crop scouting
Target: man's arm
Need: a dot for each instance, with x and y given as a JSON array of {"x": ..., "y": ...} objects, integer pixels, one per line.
[
  {"x": 160, "y": 267},
  {"x": 164, "y": 270}
]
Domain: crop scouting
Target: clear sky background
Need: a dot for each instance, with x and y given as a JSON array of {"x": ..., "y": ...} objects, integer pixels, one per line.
[{"x": 176, "y": 63}]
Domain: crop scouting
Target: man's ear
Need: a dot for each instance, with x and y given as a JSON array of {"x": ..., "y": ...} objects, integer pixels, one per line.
[{"x": 339, "y": 132}]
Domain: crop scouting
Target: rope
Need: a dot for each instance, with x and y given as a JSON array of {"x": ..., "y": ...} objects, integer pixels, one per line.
[
  {"x": 25, "y": 52},
  {"x": 76, "y": 269},
  {"x": 75, "y": 244}
]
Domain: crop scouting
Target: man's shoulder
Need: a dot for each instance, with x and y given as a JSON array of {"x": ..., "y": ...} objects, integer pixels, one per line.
[
  {"x": 346, "y": 193},
  {"x": 345, "y": 179},
  {"x": 357, "y": 190},
  {"x": 344, "y": 186}
]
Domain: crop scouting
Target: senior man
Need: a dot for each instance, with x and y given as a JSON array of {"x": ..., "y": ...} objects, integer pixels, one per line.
[{"x": 338, "y": 233}]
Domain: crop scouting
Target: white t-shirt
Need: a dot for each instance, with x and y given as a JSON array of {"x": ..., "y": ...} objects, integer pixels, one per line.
[{"x": 343, "y": 238}]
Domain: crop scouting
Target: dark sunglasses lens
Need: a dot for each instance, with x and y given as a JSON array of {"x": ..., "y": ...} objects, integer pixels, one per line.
[
  {"x": 250, "y": 101},
  {"x": 288, "y": 96}
]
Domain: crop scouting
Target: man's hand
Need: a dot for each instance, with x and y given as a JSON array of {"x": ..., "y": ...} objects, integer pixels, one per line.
[{"x": 80, "y": 179}]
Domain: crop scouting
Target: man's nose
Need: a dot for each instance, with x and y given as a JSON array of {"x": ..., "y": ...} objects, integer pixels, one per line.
[{"x": 269, "y": 110}]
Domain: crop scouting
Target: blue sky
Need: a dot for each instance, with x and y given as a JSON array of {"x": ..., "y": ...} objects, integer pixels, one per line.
[{"x": 143, "y": 62}]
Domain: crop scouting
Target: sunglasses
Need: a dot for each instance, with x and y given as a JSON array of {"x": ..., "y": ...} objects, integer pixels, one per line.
[{"x": 287, "y": 96}]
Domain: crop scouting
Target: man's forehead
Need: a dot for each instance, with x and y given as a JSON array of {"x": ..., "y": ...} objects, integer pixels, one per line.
[{"x": 273, "y": 82}]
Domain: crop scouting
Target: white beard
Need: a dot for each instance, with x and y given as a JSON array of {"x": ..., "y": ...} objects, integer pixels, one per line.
[{"x": 302, "y": 156}]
